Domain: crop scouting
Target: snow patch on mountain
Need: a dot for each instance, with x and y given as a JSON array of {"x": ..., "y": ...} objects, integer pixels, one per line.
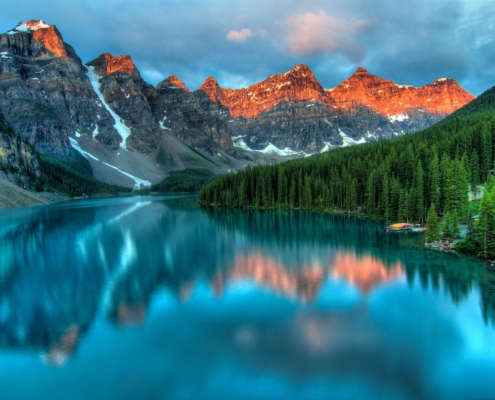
[
  {"x": 138, "y": 181},
  {"x": 269, "y": 149},
  {"x": 348, "y": 141},
  {"x": 327, "y": 147},
  {"x": 75, "y": 145},
  {"x": 272, "y": 149},
  {"x": 29, "y": 26},
  {"x": 161, "y": 123},
  {"x": 398, "y": 117},
  {"x": 119, "y": 125}
]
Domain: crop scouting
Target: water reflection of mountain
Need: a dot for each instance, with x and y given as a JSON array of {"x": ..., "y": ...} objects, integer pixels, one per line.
[
  {"x": 62, "y": 266},
  {"x": 43, "y": 292},
  {"x": 365, "y": 272},
  {"x": 304, "y": 283},
  {"x": 291, "y": 237}
]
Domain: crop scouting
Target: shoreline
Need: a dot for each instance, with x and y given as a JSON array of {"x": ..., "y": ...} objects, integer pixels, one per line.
[{"x": 12, "y": 196}]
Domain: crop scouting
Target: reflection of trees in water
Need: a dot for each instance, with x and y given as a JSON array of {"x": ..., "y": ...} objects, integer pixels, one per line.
[
  {"x": 291, "y": 229},
  {"x": 457, "y": 275},
  {"x": 488, "y": 296},
  {"x": 74, "y": 262}
]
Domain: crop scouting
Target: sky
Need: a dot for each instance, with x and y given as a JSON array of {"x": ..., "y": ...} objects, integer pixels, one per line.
[{"x": 241, "y": 42}]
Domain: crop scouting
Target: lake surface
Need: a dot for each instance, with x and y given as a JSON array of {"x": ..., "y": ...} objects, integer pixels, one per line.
[{"x": 155, "y": 298}]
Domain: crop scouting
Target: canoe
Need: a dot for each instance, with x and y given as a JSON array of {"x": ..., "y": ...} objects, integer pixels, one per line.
[{"x": 400, "y": 225}]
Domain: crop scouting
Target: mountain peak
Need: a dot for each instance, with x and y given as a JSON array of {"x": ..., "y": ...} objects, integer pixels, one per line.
[
  {"x": 29, "y": 26},
  {"x": 47, "y": 35},
  {"x": 360, "y": 72},
  {"x": 107, "y": 64},
  {"x": 120, "y": 63},
  {"x": 174, "y": 81},
  {"x": 209, "y": 82},
  {"x": 443, "y": 81},
  {"x": 300, "y": 70}
]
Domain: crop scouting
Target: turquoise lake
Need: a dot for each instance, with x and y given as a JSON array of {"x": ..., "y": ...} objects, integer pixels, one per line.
[{"x": 157, "y": 298}]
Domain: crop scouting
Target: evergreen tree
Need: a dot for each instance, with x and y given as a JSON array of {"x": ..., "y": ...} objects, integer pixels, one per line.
[
  {"x": 433, "y": 232},
  {"x": 475, "y": 172},
  {"x": 447, "y": 226},
  {"x": 434, "y": 177},
  {"x": 486, "y": 224},
  {"x": 419, "y": 193}
]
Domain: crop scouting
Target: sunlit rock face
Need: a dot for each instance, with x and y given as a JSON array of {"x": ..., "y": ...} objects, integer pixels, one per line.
[
  {"x": 174, "y": 81},
  {"x": 442, "y": 97},
  {"x": 294, "y": 113},
  {"x": 108, "y": 64},
  {"x": 298, "y": 84}
]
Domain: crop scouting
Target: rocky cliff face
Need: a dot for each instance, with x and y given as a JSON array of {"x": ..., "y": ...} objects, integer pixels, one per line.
[
  {"x": 126, "y": 93},
  {"x": 191, "y": 117},
  {"x": 442, "y": 97},
  {"x": 19, "y": 163},
  {"x": 102, "y": 110},
  {"x": 299, "y": 84},
  {"x": 134, "y": 133},
  {"x": 45, "y": 92},
  {"x": 150, "y": 117},
  {"x": 292, "y": 113}
]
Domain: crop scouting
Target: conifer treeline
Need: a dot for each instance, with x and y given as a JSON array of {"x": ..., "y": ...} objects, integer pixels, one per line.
[{"x": 395, "y": 179}]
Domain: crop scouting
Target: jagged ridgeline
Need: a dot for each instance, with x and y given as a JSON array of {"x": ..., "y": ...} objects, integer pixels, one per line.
[{"x": 393, "y": 179}]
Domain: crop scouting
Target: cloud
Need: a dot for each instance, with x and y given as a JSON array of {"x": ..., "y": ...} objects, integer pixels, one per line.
[
  {"x": 310, "y": 33},
  {"x": 414, "y": 42},
  {"x": 242, "y": 35},
  {"x": 239, "y": 36}
]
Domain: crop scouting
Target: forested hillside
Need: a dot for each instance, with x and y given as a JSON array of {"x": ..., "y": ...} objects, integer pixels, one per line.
[{"x": 395, "y": 179}]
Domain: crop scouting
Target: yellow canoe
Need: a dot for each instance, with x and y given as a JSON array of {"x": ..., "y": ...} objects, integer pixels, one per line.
[{"x": 400, "y": 225}]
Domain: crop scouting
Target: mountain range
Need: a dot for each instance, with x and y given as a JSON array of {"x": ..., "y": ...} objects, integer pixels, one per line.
[{"x": 133, "y": 133}]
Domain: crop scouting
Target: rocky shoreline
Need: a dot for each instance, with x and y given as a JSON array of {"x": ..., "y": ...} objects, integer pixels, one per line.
[{"x": 442, "y": 245}]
